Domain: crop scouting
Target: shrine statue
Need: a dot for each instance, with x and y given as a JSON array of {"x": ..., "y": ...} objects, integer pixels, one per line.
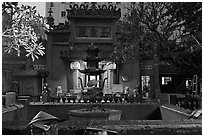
[{"x": 59, "y": 91}]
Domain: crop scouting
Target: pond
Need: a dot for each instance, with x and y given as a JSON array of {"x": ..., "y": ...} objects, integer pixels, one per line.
[{"x": 152, "y": 118}]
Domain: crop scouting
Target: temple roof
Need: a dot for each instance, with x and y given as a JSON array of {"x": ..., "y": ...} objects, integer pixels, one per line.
[{"x": 93, "y": 11}]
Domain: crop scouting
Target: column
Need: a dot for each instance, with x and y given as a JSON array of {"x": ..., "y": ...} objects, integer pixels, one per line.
[{"x": 156, "y": 77}]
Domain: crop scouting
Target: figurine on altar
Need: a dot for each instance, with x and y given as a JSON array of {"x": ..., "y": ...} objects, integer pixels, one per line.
[
  {"x": 46, "y": 89},
  {"x": 117, "y": 94},
  {"x": 126, "y": 90},
  {"x": 59, "y": 91}
]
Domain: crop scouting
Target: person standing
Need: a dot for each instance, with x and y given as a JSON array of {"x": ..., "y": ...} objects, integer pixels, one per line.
[{"x": 46, "y": 93}]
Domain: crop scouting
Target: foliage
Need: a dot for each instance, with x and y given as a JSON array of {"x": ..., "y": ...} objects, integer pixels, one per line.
[
  {"x": 158, "y": 29},
  {"x": 188, "y": 57},
  {"x": 126, "y": 48},
  {"x": 22, "y": 27},
  {"x": 190, "y": 13},
  {"x": 150, "y": 28}
]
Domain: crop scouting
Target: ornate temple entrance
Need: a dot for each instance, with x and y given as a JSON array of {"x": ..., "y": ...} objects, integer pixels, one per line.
[
  {"x": 81, "y": 79},
  {"x": 67, "y": 44}
]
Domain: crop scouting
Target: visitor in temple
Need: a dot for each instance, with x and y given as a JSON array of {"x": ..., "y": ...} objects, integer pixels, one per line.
[
  {"x": 45, "y": 88},
  {"x": 46, "y": 93},
  {"x": 145, "y": 91}
]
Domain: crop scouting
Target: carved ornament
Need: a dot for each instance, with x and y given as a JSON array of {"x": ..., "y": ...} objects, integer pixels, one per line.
[{"x": 100, "y": 11}]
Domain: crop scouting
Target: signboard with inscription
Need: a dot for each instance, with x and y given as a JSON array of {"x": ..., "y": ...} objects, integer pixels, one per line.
[{"x": 93, "y": 31}]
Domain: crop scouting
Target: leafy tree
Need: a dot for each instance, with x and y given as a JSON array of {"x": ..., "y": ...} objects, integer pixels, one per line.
[
  {"x": 157, "y": 29},
  {"x": 191, "y": 15},
  {"x": 20, "y": 30},
  {"x": 188, "y": 57},
  {"x": 149, "y": 26},
  {"x": 126, "y": 49}
]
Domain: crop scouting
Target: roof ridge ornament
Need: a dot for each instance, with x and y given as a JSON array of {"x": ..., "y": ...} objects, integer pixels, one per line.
[
  {"x": 93, "y": 10},
  {"x": 60, "y": 27},
  {"x": 50, "y": 19}
]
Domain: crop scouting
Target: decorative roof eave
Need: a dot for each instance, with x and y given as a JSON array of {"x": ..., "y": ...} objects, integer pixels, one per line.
[
  {"x": 94, "y": 16},
  {"x": 29, "y": 72},
  {"x": 12, "y": 67},
  {"x": 57, "y": 31},
  {"x": 60, "y": 28},
  {"x": 32, "y": 72}
]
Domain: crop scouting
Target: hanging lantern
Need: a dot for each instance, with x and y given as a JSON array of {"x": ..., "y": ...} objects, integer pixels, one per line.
[{"x": 75, "y": 65}]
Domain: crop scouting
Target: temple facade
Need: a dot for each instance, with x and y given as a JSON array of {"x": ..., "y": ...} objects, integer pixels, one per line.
[
  {"x": 67, "y": 42},
  {"x": 74, "y": 27}
]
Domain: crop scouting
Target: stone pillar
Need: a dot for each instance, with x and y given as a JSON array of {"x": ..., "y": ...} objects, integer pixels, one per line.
[
  {"x": 111, "y": 78},
  {"x": 68, "y": 75},
  {"x": 76, "y": 84},
  {"x": 152, "y": 86},
  {"x": 74, "y": 77},
  {"x": 106, "y": 82},
  {"x": 109, "y": 74},
  {"x": 156, "y": 78}
]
